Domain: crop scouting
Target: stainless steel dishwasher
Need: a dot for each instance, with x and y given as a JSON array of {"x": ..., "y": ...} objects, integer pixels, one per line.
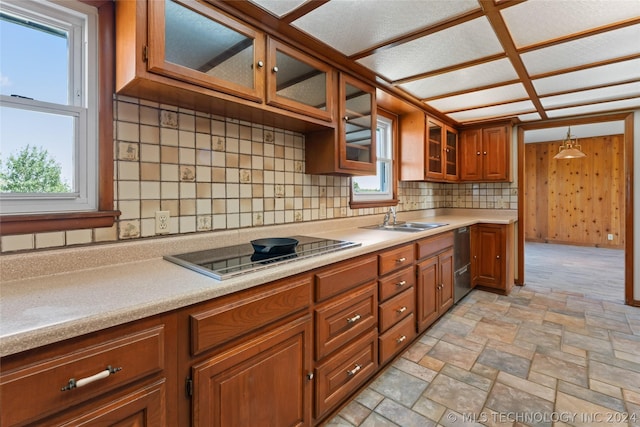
[{"x": 461, "y": 263}]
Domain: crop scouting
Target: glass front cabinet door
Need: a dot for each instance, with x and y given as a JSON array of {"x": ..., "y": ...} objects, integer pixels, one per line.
[
  {"x": 358, "y": 121},
  {"x": 299, "y": 83},
  {"x": 192, "y": 42}
]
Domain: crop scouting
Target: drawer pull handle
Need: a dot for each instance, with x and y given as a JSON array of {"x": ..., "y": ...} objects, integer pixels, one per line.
[
  {"x": 401, "y": 283},
  {"x": 354, "y": 370},
  {"x": 353, "y": 319},
  {"x": 402, "y": 310},
  {"x": 401, "y": 339},
  {"x": 399, "y": 260},
  {"x": 73, "y": 383}
]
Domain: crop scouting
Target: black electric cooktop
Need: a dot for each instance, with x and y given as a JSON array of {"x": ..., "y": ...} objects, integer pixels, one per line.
[{"x": 230, "y": 261}]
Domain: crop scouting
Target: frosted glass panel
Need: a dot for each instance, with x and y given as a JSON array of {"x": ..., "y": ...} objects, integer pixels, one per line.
[
  {"x": 479, "y": 75},
  {"x": 465, "y": 42},
  {"x": 595, "y": 76},
  {"x": 605, "y": 106},
  {"x": 353, "y": 26},
  {"x": 496, "y": 111},
  {"x": 593, "y": 95},
  {"x": 479, "y": 98},
  {"x": 613, "y": 44},
  {"x": 555, "y": 19},
  {"x": 529, "y": 117}
]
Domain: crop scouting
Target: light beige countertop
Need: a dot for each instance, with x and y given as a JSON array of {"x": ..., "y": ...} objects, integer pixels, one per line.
[{"x": 49, "y": 296}]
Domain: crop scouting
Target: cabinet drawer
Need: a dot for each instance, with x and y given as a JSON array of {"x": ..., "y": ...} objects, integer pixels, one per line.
[
  {"x": 244, "y": 312},
  {"x": 394, "y": 259},
  {"x": 433, "y": 245},
  {"x": 344, "y": 276},
  {"x": 346, "y": 371},
  {"x": 397, "y": 308},
  {"x": 343, "y": 319},
  {"x": 396, "y": 283},
  {"x": 135, "y": 356},
  {"x": 397, "y": 338}
]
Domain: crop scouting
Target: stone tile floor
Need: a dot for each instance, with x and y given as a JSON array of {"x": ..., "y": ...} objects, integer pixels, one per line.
[{"x": 539, "y": 356}]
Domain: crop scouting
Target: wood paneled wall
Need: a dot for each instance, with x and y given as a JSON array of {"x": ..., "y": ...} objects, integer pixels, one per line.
[{"x": 576, "y": 201}]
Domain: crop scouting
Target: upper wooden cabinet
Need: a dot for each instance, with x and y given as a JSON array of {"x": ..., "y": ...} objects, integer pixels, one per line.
[
  {"x": 428, "y": 149},
  {"x": 485, "y": 154},
  {"x": 190, "y": 54},
  {"x": 350, "y": 149}
]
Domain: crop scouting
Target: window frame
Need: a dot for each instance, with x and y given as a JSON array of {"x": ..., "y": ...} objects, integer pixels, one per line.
[
  {"x": 104, "y": 215},
  {"x": 393, "y": 201}
]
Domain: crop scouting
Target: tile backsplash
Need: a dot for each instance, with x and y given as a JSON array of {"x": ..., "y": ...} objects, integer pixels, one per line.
[{"x": 215, "y": 173}]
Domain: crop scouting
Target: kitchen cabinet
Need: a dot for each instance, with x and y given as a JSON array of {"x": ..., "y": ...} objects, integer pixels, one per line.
[
  {"x": 485, "y": 154},
  {"x": 428, "y": 149},
  {"x": 190, "y": 54},
  {"x": 120, "y": 376},
  {"x": 492, "y": 257},
  {"x": 250, "y": 355},
  {"x": 350, "y": 148},
  {"x": 346, "y": 320},
  {"x": 435, "y": 276},
  {"x": 396, "y": 289}
]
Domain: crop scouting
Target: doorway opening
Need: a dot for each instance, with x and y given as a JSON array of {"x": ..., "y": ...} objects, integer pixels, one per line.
[{"x": 575, "y": 229}]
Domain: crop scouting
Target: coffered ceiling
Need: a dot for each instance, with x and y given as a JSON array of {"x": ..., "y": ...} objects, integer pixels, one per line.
[{"x": 479, "y": 60}]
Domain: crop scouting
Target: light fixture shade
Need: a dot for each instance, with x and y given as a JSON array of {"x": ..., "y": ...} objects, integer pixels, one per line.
[
  {"x": 570, "y": 149},
  {"x": 569, "y": 153}
]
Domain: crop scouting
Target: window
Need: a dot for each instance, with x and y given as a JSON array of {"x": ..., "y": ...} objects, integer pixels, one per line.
[
  {"x": 379, "y": 189},
  {"x": 48, "y": 107}
]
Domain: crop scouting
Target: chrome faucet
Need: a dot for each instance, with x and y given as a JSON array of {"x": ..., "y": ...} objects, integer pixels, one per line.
[{"x": 391, "y": 213}]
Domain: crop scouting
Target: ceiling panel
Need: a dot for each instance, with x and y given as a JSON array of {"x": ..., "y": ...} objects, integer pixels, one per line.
[
  {"x": 480, "y": 98},
  {"x": 587, "y": 50},
  {"x": 596, "y": 76},
  {"x": 608, "y": 93},
  {"x": 595, "y": 108},
  {"x": 480, "y": 75},
  {"x": 279, "y": 7},
  {"x": 465, "y": 42},
  {"x": 497, "y": 111},
  {"x": 579, "y": 131},
  {"x": 555, "y": 19},
  {"x": 376, "y": 21}
]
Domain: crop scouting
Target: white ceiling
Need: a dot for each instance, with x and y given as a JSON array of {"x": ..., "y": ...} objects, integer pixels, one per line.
[{"x": 480, "y": 60}]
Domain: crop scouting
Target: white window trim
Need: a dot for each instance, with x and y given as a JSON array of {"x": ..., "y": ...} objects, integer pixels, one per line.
[
  {"x": 81, "y": 21},
  {"x": 387, "y": 127}
]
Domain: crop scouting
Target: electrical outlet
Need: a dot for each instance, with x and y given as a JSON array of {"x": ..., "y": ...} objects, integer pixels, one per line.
[
  {"x": 162, "y": 222},
  {"x": 610, "y": 236}
]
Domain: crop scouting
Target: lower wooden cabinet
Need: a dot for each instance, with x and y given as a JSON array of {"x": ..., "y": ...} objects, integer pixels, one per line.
[
  {"x": 116, "y": 377},
  {"x": 491, "y": 257},
  {"x": 435, "y": 287},
  {"x": 263, "y": 382}
]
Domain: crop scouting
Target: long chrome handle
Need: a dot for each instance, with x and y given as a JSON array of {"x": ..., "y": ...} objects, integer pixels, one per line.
[
  {"x": 353, "y": 319},
  {"x": 73, "y": 383},
  {"x": 355, "y": 370},
  {"x": 401, "y": 310}
]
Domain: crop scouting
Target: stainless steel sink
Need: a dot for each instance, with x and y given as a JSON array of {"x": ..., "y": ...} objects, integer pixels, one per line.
[{"x": 407, "y": 226}]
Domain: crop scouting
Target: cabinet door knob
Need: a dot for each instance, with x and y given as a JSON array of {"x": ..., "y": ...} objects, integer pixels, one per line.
[
  {"x": 260, "y": 64},
  {"x": 274, "y": 69},
  {"x": 345, "y": 118},
  {"x": 478, "y": 153},
  {"x": 400, "y": 260},
  {"x": 310, "y": 376},
  {"x": 401, "y": 339},
  {"x": 401, "y": 310},
  {"x": 401, "y": 283},
  {"x": 485, "y": 153},
  {"x": 354, "y": 371},
  {"x": 497, "y": 256},
  {"x": 353, "y": 319}
]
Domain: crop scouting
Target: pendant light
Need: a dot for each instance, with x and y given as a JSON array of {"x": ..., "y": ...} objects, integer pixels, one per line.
[{"x": 570, "y": 149}]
